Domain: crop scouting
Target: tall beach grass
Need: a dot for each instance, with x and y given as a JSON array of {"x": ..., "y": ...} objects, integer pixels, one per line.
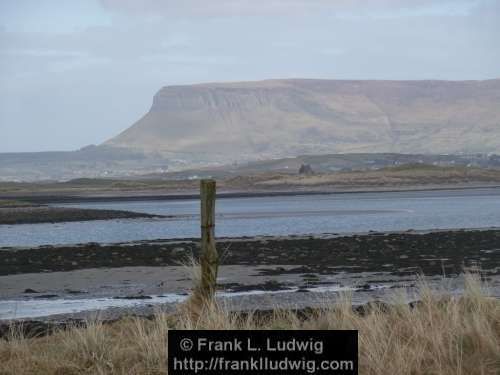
[{"x": 438, "y": 335}]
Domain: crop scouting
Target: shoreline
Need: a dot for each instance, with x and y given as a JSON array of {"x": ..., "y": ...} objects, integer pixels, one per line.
[
  {"x": 137, "y": 278},
  {"x": 62, "y": 197},
  {"x": 38, "y": 214},
  {"x": 46, "y": 325}
]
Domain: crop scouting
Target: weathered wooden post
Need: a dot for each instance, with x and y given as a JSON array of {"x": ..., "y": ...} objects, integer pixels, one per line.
[{"x": 209, "y": 259}]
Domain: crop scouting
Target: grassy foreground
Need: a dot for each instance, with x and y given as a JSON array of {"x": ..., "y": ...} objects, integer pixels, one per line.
[{"x": 440, "y": 335}]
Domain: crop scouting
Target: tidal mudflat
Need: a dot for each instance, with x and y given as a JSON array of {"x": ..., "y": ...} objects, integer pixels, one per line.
[
  {"x": 32, "y": 214},
  {"x": 259, "y": 271}
]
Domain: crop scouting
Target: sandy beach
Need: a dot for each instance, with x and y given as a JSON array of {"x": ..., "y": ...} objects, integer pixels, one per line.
[{"x": 262, "y": 271}]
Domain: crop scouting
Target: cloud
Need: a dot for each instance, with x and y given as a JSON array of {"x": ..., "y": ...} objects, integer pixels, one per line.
[
  {"x": 332, "y": 51},
  {"x": 189, "y": 60},
  {"x": 32, "y": 52},
  {"x": 106, "y": 72},
  {"x": 284, "y": 7}
]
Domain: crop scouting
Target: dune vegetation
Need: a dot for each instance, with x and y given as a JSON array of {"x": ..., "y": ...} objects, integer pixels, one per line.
[{"x": 438, "y": 335}]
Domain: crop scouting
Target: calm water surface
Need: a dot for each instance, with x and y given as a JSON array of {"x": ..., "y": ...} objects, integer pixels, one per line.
[{"x": 312, "y": 214}]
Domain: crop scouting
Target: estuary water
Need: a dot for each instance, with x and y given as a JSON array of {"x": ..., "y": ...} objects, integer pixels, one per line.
[{"x": 277, "y": 215}]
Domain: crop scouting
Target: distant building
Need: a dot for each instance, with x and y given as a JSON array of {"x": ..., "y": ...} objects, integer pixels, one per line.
[{"x": 306, "y": 169}]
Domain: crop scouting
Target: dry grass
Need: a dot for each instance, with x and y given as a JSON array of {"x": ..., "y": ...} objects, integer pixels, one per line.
[
  {"x": 405, "y": 175},
  {"x": 451, "y": 335},
  {"x": 398, "y": 176},
  {"x": 9, "y": 203}
]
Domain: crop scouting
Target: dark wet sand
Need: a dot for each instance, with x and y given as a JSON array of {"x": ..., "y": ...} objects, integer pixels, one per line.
[
  {"x": 430, "y": 253},
  {"x": 166, "y": 194},
  {"x": 46, "y": 214},
  {"x": 288, "y": 266}
]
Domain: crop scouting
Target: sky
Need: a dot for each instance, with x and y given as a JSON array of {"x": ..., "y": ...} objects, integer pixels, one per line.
[{"x": 74, "y": 73}]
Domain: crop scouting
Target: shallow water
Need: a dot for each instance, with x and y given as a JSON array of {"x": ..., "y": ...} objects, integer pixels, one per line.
[
  {"x": 36, "y": 308},
  {"x": 286, "y": 215},
  {"x": 391, "y": 291}
]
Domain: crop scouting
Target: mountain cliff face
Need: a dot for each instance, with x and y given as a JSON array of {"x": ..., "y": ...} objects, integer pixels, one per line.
[{"x": 278, "y": 118}]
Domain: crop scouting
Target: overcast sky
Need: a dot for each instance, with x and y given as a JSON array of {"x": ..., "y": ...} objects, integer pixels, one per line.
[{"x": 78, "y": 72}]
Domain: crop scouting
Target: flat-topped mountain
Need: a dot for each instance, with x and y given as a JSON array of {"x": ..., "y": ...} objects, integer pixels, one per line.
[
  {"x": 279, "y": 118},
  {"x": 226, "y": 125}
]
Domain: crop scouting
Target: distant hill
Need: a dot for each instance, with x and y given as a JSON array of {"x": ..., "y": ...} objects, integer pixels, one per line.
[
  {"x": 90, "y": 161},
  {"x": 333, "y": 163},
  {"x": 227, "y": 122},
  {"x": 404, "y": 177},
  {"x": 227, "y": 129}
]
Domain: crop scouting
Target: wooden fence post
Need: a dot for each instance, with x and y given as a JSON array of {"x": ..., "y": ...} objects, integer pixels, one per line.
[{"x": 209, "y": 259}]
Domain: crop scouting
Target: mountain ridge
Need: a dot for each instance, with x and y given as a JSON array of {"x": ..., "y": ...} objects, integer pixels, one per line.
[{"x": 234, "y": 121}]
